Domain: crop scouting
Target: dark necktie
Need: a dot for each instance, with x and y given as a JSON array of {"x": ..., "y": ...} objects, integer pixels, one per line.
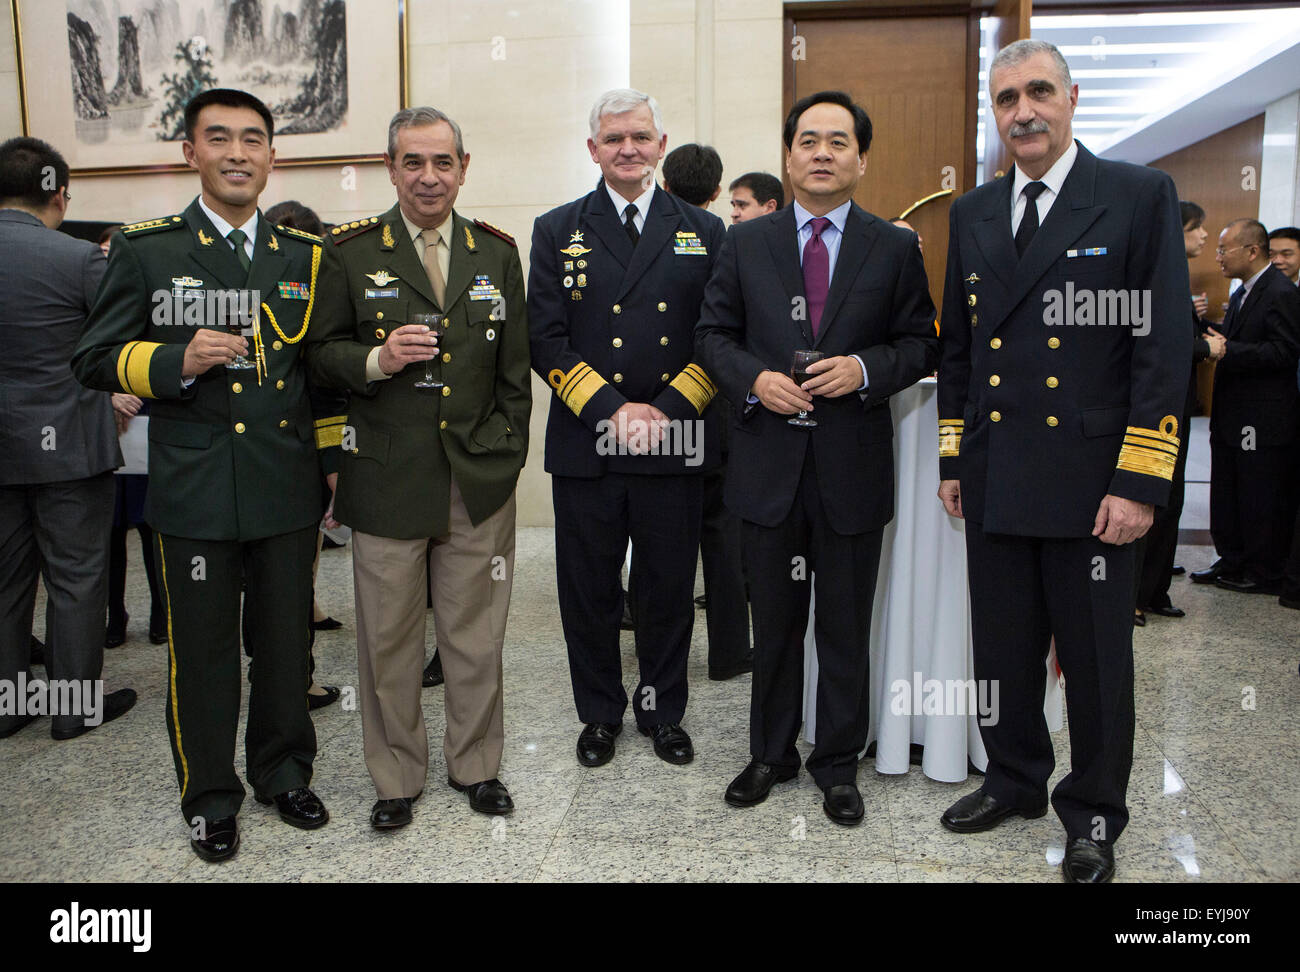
[
  {"x": 237, "y": 239},
  {"x": 816, "y": 272},
  {"x": 1234, "y": 305},
  {"x": 629, "y": 224},
  {"x": 1029, "y": 221}
]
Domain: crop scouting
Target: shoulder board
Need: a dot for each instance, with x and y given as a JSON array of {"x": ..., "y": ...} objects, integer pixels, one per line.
[
  {"x": 152, "y": 225},
  {"x": 484, "y": 224},
  {"x": 345, "y": 231},
  {"x": 298, "y": 234}
]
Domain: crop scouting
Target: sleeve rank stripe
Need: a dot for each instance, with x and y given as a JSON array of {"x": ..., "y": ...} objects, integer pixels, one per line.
[
  {"x": 1148, "y": 462},
  {"x": 133, "y": 368},
  {"x": 694, "y": 385},
  {"x": 576, "y": 388},
  {"x": 328, "y": 436},
  {"x": 950, "y": 433}
]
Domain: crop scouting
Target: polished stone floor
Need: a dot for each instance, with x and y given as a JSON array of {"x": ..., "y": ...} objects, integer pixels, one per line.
[{"x": 1214, "y": 794}]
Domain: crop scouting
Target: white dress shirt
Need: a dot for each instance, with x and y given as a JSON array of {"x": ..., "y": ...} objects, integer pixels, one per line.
[
  {"x": 641, "y": 202},
  {"x": 224, "y": 228},
  {"x": 1053, "y": 178}
]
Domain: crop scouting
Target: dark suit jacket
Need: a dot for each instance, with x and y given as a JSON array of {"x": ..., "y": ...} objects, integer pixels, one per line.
[
  {"x": 878, "y": 307},
  {"x": 1040, "y": 420},
  {"x": 611, "y": 324},
  {"x": 1254, "y": 382},
  {"x": 51, "y": 428}
]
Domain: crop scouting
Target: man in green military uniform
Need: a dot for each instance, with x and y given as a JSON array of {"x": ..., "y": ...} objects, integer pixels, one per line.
[
  {"x": 436, "y": 436},
  {"x": 234, "y": 495}
]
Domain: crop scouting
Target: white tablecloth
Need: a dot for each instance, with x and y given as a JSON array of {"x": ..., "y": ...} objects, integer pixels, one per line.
[{"x": 920, "y": 623}]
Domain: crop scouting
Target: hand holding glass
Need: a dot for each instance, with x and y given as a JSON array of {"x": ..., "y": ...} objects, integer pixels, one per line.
[
  {"x": 799, "y": 373},
  {"x": 437, "y": 325}
]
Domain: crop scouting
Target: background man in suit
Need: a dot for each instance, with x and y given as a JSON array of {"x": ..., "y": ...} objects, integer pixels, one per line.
[
  {"x": 1284, "y": 251},
  {"x": 428, "y": 463},
  {"x": 614, "y": 293},
  {"x": 694, "y": 173},
  {"x": 58, "y": 441},
  {"x": 1255, "y": 417},
  {"x": 234, "y": 481},
  {"x": 1023, "y": 397},
  {"x": 755, "y": 194},
  {"x": 815, "y": 499}
]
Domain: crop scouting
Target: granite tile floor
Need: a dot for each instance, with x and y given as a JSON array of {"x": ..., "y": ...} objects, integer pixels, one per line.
[{"x": 1213, "y": 797}]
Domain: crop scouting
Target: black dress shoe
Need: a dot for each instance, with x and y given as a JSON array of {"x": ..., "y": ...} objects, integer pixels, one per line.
[
  {"x": 1139, "y": 619},
  {"x": 219, "y": 842},
  {"x": 114, "y": 704},
  {"x": 755, "y": 782},
  {"x": 391, "y": 814},
  {"x": 1208, "y": 575},
  {"x": 24, "y": 720},
  {"x": 843, "y": 804},
  {"x": 1246, "y": 585},
  {"x": 332, "y": 693},
  {"x": 115, "y": 637},
  {"x": 977, "y": 811},
  {"x": 1290, "y": 601},
  {"x": 299, "y": 808},
  {"x": 1178, "y": 570},
  {"x": 326, "y": 624},
  {"x": 490, "y": 796},
  {"x": 1088, "y": 862},
  {"x": 702, "y": 602},
  {"x": 742, "y": 667},
  {"x": 433, "y": 672},
  {"x": 157, "y": 628},
  {"x": 596, "y": 742},
  {"x": 672, "y": 744},
  {"x": 1168, "y": 611}
]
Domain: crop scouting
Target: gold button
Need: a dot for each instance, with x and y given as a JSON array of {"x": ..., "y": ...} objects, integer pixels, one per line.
[
  {"x": 995, "y": 343},
  {"x": 618, "y": 308},
  {"x": 446, "y": 357},
  {"x": 239, "y": 427},
  {"x": 1053, "y": 421},
  {"x": 1052, "y": 382},
  {"x": 355, "y": 450},
  {"x": 1053, "y": 343},
  {"x": 971, "y": 300},
  {"x": 279, "y": 385},
  {"x": 665, "y": 376},
  {"x": 974, "y": 320},
  {"x": 995, "y": 416},
  {"x": 446, "y": 390},
  {"x": 276, "y": 345},
  {"x": 618, "y": 342},
  {"x": 380, "y": 333},
  {"x": 379, "y": 316},
  {"x": 618, "y": 377},
  {"x": 284, "y": 423},
  {"x": 236, "y": 388},
  {"x": 662, "y": 306},
  {"x": 995, "y": 380},
  {"x": 442, "y": 424},
  {"x": 664, "y": 340}
]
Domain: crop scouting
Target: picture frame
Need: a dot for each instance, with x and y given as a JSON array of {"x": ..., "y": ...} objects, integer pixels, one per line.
[{"x": 111, "y": 97}]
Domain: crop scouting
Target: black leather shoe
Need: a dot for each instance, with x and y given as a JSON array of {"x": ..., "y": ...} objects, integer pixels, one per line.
[
  {"x": 843, "y": 804},
  {"x": 596, "y": 742},
  {"x": 1168, "y": 612},
  {"x": 1088, "y": 862},
  {"x": 742, "y": 667},
  {"x": 157, "y": 628},
  {"x": 672, "y": 744},
  {"x": 433, "y": 672},
  {"x": 391, "y": 814},
  {"x": 977, "y": 811},
  {"x": 220, "y": 841},
  {"x": 754, "y": 783},
  {"x": 332, "y": 693},
  {"x": 25, "y": 720},
  {"x": 702, "y": 602},
  {"x": 1246, "y": 585},
  {"x": 1139, "y": 619},
  {"x": 490, "y": 796},
  {"x": 1208, "y": 575},
  {"x": 1178, "y": 570},
  {"x": 326, "y": 624},
  {"x": 1290, "y": 601},
  {"x": 115, "y": 635},
  {"x": 114, "y": 704},
  {"x": 299, "y": 808}
]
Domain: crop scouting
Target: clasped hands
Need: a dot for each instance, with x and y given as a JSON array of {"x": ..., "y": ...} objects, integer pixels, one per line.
[{"x": 832, "y": 377}]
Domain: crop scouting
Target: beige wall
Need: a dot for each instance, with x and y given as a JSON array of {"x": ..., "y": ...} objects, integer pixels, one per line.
[{"x": 714, "y": 66}]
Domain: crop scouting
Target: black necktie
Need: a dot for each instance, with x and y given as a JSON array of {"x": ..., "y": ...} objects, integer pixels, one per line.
[
  {"x": 1029, "y": 221},
  {"x": 629, "y": 224},
  {"x": 1234, "y": 305}
]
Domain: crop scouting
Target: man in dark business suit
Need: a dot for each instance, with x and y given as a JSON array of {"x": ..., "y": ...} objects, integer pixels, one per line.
[
  {"x": 1056, "y": 442},
  {"x": 1255, "y": 418},
  {"x": 828, "y": 276},
  {"x": 57, "y": 439}
]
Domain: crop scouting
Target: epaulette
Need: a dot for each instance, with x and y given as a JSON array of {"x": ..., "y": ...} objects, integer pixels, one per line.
[
  {"x": 345, "y": 231},
  {"x": 152, "y": 225},
  {"x": 484, "y": 224},
  {"x": 298, "y": 234}
]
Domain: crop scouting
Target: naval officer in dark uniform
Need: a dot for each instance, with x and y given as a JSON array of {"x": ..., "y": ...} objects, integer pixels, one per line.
[
  {"x": 234, "y": 483},
  {"x": 614, "y": 293}
]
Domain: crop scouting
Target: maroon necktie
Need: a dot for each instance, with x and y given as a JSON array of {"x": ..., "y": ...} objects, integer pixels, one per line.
[{"x": 816, "y": 272}]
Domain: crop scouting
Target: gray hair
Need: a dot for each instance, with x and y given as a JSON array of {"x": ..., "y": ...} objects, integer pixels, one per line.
[
  {"x": 416, "y": 117},
  {"x": 1021, "y": 50},
  {"x": 620, "y": 100}
]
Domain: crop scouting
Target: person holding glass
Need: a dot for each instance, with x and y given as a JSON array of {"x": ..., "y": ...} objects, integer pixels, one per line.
[
  {"x": 423, "y": 320},
  {"x": 808, "y": 338}
]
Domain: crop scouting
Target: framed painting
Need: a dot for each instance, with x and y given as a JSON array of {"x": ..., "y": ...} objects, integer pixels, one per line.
[{"x": 106, "y": 82}]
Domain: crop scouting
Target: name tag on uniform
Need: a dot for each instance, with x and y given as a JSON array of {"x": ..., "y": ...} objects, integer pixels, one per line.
[
  {"x": 483, "y": 288},
  {"x": 688, "y": 244},
  {"x": 372, "y": 294},
  {"x": 290, "y": 290},
  {"x": 1090, "y": 251}
]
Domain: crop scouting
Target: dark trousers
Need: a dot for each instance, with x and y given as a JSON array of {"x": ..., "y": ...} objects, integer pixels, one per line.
[
  {"x": 1024, "y": 591},
  {"x": 60, "y": 531},
  {"x": 594, "y": 519},
  {"x": 727, "y": 610},
  {"x": 1156, "y": 551},
  {"x": 117, "y": 577},
  {"x": 779, "y": 561},
  {"x": 201, "y": 582},
  {"x": 1252, "y": 507}
]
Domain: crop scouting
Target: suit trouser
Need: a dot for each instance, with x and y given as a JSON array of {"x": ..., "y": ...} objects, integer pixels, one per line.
[
  {"x": 727, "y": 610},
  {"x": 60, "y": 531},
  {"x": 1158, "y": 548},
  {"x": 594, "y": 519},
  {"x": 201, "y": 583},
  {"x": 1251, "y": 508},
  {"x": 471, "y": 586},
  {"x": 845, "y": 567},
  {"x": 1024, "y": 591}
]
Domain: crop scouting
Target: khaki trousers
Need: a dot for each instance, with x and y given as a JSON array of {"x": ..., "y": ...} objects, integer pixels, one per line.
[{"x": 471, "y": 570}]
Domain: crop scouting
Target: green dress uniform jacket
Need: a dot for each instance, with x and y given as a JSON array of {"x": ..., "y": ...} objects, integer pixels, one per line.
[
  {"x": 402, "y": 444},
  {"x": 229, "y": 458}
]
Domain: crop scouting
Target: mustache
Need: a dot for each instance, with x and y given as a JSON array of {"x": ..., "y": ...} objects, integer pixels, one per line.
[{"x": 1036, "y": 127}]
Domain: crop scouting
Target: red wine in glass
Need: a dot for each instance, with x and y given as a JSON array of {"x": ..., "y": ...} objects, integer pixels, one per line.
[{"x": 799, "y": 373}]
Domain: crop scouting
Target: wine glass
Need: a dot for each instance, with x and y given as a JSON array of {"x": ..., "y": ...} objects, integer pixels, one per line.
[
  {"x": 239, "y": 319},
  {"x": 437, "y": 325},
  {"x": 799, "y": 372}
]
